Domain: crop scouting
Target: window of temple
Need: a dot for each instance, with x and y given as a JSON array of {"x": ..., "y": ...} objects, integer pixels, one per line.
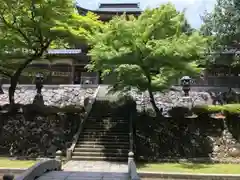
[{"x": 89, "y": 78}]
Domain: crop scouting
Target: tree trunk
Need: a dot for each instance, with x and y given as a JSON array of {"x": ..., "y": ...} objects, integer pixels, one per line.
[
  {"x": 150, "y": 91},
  {"x": 15, "y": 78},
  {"x": 153, "y": 102}
]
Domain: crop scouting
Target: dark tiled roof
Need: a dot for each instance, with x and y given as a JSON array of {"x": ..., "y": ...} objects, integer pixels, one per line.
[
  {"x": 63, "y": 51},
  {"x": 113, "y": 7},
  {"x": 119, "y": 10},
  {"x": 119, "y": 7}
]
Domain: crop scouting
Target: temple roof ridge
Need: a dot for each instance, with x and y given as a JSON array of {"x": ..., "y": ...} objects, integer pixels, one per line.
[{"x": 114, "y": 7}]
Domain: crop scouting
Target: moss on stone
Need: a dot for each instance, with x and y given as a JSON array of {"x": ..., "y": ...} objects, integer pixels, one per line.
[{"x": 210, "y": 109}]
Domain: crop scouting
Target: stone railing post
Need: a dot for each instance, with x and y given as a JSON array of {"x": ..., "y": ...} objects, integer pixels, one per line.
[
  {"x": 8, "y": 177},
  {"x": 59, "y": 155},
  {"x": 130, "y": 160},
  {"x": 39, "y": 169},
  {"x": 68, "y": 154},
  {"x": 132, "y": 169}
]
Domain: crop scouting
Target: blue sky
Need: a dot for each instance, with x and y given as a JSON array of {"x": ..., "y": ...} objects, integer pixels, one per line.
[{"x": 194, "y": 7}]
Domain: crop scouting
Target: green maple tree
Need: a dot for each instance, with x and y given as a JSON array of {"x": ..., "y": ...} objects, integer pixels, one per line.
[
  {"x": 148, "y": 52},
  {"x": 30, "y": 27},
  {"x": 223, "y": 25}
]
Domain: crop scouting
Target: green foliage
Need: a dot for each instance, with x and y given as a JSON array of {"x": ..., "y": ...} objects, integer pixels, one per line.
[
  {"x": 51, "y": 110},
  {"x": 223, "y": 25},
  {"x": 71, "y": 109},
  {"x": 78, "y": 28},
  {"x": 26, "y": 29},
  {"x": 148, "y": 52},
  {"x": 211, "y": 109},
  {"x": 207, "y": 109},
  {"x": 178, "y": 112},
  {"x": 232, "y": 108},
  {"x": 29, "y": 28}
]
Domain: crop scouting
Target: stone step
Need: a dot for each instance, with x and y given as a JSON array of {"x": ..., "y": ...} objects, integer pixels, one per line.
[
  {"x": 108, "y": 146},
  {"x": 101, "y": 123},
  {"x": 102, "y": 142},
  {"x": 92, "y": 122},
  {"x": 99, "y": 158},
  {"x": 99, "y": 154},
  {"x": 113, "y": 150},
  {"x": 107, "y": 117},
  {"x": 105, "y": 124},
  {"x": 103, "y": 136},
  {"x": 106, "y": 130},
  {"x": 101, "y": 133},
  {"x": 104, "y": 121}
]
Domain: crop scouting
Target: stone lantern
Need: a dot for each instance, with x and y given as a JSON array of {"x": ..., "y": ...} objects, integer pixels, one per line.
[
  {"x": 39, "y": 78},
  {"x": 186, "y": 83},
  {"x": 1, "y": 90}
]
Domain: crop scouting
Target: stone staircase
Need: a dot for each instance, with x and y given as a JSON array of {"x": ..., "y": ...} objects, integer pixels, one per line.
[{"x": 105, "y": 136}]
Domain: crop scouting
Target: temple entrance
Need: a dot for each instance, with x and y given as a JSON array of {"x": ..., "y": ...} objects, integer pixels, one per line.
[{"x": 81, "y": 76}]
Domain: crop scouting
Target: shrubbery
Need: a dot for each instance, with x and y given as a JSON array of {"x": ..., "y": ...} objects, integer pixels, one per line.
[{"x": 228, "y": 109}]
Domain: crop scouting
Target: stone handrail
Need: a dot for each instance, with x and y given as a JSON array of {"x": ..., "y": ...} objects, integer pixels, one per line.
[
  {"x": 132, "y": 169},
  {"x": 39, "y": 169},
  {"x": 76, "y": 136},
  {"x": 131, "y": 134}
]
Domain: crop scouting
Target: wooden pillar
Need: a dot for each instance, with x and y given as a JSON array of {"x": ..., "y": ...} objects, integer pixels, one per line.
[{"x": 72, "y": 74}]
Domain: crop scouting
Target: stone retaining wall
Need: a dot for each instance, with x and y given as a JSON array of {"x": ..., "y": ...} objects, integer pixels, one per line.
[
  {"x": 196, "y": 137},
  {"x": 167, "y": 100},
  {"x": 56, "y": 95}
]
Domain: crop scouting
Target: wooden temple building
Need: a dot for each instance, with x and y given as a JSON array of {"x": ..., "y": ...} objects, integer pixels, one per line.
[
  {"x": 222, "y": 71},
  {"x": 67, "y": 66}
]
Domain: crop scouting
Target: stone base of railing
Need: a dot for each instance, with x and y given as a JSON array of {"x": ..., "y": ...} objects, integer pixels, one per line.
[
  {"x": 39, "y": 169},
  {"x": 132, "y": 169}
]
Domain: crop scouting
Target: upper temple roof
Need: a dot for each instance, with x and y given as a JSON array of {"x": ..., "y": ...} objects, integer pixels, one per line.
[{"x": 132, "y": 8}]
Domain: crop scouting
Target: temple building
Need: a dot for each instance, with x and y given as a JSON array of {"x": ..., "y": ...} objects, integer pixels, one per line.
[
  {"x": 222, "y": 71},
  {"x": 67, "y": 66}
]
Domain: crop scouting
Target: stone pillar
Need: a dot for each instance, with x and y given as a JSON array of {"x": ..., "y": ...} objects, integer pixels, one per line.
[
  {"x": 59, "y": 155},
  {"x": 8, "y": 177},
  {"x": 72, "y": 74},
  {"x": 1, "y": 90},
  {"x": 130, "y": 161}
]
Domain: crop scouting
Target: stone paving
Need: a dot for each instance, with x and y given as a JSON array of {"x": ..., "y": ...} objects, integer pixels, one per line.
[
  {"x": 89, "y": 170},
  {"x": 66, "y": 175},
  {"x": 96, "y": 166}
]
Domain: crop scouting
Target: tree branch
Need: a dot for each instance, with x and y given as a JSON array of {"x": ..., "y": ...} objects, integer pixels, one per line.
[
  {"x": 39, "y": 32},
  {"x": 16, "y": 29},
  {"x": 5, "y": 73}
]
